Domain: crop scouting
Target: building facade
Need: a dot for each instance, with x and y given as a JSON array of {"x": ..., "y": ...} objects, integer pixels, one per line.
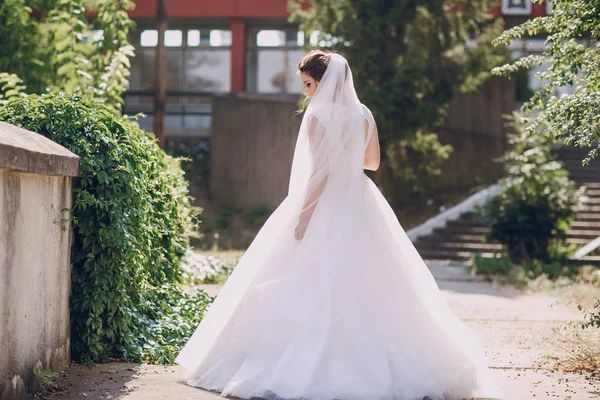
[{"x": 238, "y": 46}]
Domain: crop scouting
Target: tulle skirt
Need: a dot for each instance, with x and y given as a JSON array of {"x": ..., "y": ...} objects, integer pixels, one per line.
[{"x": 349, "y": 312}]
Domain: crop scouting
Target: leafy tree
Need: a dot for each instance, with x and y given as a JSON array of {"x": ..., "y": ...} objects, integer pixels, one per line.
[
  {"x": 410, "y": 60},
  {"x": 572, "y": 58},
  {"x": 60, "y": 49}
]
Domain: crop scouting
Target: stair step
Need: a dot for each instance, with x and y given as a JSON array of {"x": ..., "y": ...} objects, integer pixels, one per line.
[
  {"x": 585, "y": 224},
  {"x": 477, "y": 223},
  {"x": 584, "y": 176},
  {"x": 451, "y": 255},
  {"x": 591, "y": 209},
  {"x": 584, "y": 216},
  {"x": 583, "y": 233},
  {"x": 578, "y": 241},
  {"x": 590, "y": 260},
  {"x": 591, "y": 185},
  {"x": 482, "y": 230},
  {"x": 592, "y": 192},
  {"x": 459, "y": 246},
  {"x": 464, "y": 238}
]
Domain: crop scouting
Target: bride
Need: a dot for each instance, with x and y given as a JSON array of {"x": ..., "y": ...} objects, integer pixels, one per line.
[{"x": 331, "y": 300}]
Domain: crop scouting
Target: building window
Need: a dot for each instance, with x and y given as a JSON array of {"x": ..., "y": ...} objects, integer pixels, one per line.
[
  {"x": 173, "y": 38},
  {"x": 198, "y": 64},
  {"x": 219, "y": 38},
  {"x": 149, "y": 38},
  {"x": 272, "y": 59},
  {"x": 269, "y": 38},
  {"x": 201, "y": 63},
  {"x": 193, "y": 38},
  {"x": 516, "y": 7}
]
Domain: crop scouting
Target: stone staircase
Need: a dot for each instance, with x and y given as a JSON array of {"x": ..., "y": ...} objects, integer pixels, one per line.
[{"x": 462, "y": 238}]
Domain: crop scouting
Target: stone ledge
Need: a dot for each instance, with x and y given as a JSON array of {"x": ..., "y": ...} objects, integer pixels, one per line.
[{"x": 27, "y": 151}]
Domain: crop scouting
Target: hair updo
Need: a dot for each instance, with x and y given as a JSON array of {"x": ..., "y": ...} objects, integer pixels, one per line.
[{"x": 314, "y": 64}]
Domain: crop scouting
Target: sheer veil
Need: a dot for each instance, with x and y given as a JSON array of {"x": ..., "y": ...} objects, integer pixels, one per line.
[{"x": 331, "y": 139}]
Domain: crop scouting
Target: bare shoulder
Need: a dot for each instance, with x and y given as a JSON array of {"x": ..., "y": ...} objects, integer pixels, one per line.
[{"x": 367, "y": 113}]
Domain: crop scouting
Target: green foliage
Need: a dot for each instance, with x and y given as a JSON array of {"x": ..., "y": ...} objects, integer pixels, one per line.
[
  {"x": 132, "y": 217},
  {"x": 258, "y": 215},
  {"x": 498, "y": 265},
  {"x": 416, "y": 159},
  {"x": 591, "y": 317},
  {"x": 43, "y": 377},
  {"x": 172, "y": 319},
  {"x": 553, "y": 268},
  {"x": 24, "y": 51},
  {"x": 523, "y": 91},
  {"x": 225, "y": 218},
  {"x": 11, "y": 88},
  {"x": 410, "y": 60},
  {"x": 537, "y": 202},
  {"x": 572, "y": 57},
  {"x": 59, "y": 51}
]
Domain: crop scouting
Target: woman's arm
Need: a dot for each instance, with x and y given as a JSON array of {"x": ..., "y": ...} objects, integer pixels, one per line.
[
  {"x": 308, "y": 208},
  {"x": 318, "y": 178},
  {"x": 372, "y": 152}
]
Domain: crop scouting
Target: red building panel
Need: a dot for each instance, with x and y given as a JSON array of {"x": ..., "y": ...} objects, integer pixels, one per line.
[
  {"x": 238, "y": 55},
  {"x": 496, "y": 11},
  {"x": 538, "y": 10},
  {"x": 214, "y": 9},
  {"x": 245, "y": 9}
]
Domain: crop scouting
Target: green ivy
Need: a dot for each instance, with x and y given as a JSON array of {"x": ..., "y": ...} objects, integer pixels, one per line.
[{"x": 132, "y": 218}]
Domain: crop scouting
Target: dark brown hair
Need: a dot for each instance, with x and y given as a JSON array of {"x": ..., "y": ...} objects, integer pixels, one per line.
[{"x": 314, "y": 64}]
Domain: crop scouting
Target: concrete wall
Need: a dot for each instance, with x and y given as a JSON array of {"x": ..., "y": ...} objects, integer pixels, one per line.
[
  {"x": 35, "y": 272},
  {"x": 253, "y": 143},
  {"x": 252, "y": 149},
  {"x": 476, "y": 129}
]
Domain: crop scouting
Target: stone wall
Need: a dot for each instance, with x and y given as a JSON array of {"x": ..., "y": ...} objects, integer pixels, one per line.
[{"x": 35, "y": 270}]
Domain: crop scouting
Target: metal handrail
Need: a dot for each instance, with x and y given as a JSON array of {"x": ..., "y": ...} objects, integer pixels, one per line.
[{"x": 587, "y": 249}]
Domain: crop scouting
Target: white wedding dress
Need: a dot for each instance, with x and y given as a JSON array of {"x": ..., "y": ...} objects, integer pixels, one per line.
[{"x": 350, "y": 311}]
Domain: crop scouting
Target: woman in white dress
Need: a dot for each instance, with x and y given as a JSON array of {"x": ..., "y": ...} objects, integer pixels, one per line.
[{"x": 331, "y": 300}]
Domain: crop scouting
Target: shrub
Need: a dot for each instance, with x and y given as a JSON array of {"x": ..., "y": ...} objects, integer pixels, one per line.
[
  {"x": 490, "y": 266},
  {"x": 258, "y": 215},
  {"x": 537, "y": 203},
  {"x": 131, "y": 216}
]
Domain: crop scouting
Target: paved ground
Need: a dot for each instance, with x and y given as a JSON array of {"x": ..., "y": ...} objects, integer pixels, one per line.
[{"x": 515, "y": 330}]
